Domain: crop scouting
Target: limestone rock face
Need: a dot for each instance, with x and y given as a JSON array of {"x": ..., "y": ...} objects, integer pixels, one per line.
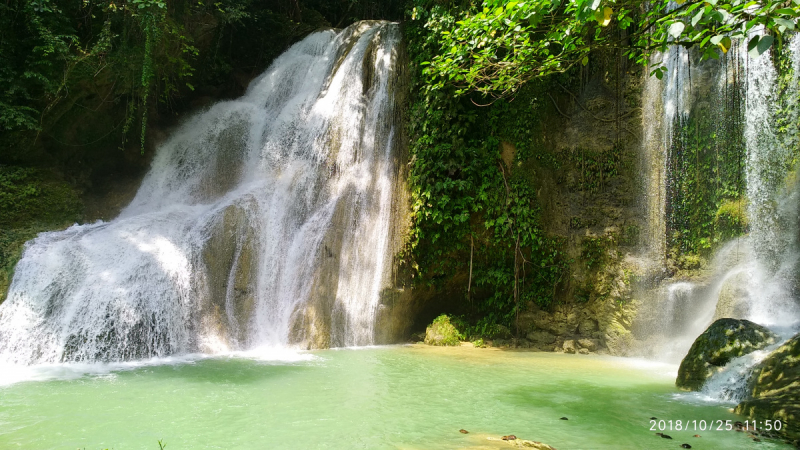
[
  {"x": 724, "y": 340},
  {"x": 441, "y": 332},
  {"x": 734, "y": 297},
  {"x": 775, "y": 389},
  {"x": 569, "y": 346},
  {"x": 589, "y": 344},
  {"x": 541, "y": 337},
  {"x": 230, "y": 265}
]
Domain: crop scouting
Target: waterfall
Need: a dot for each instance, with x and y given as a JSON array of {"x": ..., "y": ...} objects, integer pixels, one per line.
[
  {"x": 730, "y": 384},
  {"x": 753, "y": 276},
  {"x": 263, "y": 221}
]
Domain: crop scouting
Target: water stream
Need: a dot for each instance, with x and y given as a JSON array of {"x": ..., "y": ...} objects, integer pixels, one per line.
[
  {"x": 754, "y": 276},
  {"x": 262, "y": 222}
]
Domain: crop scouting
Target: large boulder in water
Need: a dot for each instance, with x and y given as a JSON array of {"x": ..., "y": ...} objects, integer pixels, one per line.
[
  {"x": 774, "y": 390},
  {"x": 724, "y": 340},
  {"x": 442, "y": 332}
]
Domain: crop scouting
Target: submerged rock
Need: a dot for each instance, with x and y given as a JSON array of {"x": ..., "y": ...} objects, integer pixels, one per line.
[
  {"x": 724, "y": 340},
  {"x": 441, "y": 332},
  {"x": 774, "y": 390},
  {"x": 522, "y": 443}
]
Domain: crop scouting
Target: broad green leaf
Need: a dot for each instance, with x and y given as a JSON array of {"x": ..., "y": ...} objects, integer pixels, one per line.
[
  {"x": 752, "y": 46},
  {"x": 676, "y": 29},
  {"x": 785, "y": 23},
  {"x": 787, "y": 11},
  {"x": 725, "y": 44},
  {"x": 764, "y": 44},
  {"x": 607, "y": 12},
  {"x": 697, "y": 18}
]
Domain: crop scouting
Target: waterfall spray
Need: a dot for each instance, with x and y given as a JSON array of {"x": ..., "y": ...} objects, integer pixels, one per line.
[{"x": 262, "y": 222}]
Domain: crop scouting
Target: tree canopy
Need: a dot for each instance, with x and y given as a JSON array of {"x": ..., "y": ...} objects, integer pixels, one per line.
[{"x": 496, "y": 46}]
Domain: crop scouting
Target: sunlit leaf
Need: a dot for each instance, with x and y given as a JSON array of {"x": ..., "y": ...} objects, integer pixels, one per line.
[{"x": 676, "y": 29}]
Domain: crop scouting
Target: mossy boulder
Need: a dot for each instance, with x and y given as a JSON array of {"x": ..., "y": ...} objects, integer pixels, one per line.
[
  {"x": 774, "y": 390},
  {"x": 724, "y": 340},
  {"x": 442, "y": 332}
]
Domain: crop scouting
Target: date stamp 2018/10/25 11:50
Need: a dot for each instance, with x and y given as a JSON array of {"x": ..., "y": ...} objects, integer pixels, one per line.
[{"x": 715, "y": 425}]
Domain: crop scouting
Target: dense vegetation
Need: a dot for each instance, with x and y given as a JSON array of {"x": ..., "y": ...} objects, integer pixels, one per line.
[
  {"x": 147, "y": 53},
  {"x": 93, "y": 74},
  {"x": 481, "y": 72}
]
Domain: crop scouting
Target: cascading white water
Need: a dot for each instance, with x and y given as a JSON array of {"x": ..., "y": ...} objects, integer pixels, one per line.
[
  {"x": 754, "y": 277},
  {"x": 772, "y": 206},
  {"x": 263, "y": 221},
  {"x": 730, "y": 384}
]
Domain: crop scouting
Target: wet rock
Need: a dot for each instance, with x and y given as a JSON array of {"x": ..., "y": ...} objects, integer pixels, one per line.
[
  {"x": 583, "y": 351},
  {"x": 418, "y": 337},
  {"x": 510, "y": 437},
  {"x": 666, "y": 436},
  {"x": 653, "y": 418},
  {"x": 686, "y": 446},
  {"x": 541, "y": 337},
  {"x": 589, "y": 344},
  {"x": 587, "y": 327},
  {"x": 501, "y": 332},
  {"x": 521, "y": 443},
  {"x": 696, "y": 435},
  {"x": 569, "y": 346},
  {"x": 463, "y": 431},
  {"x": 774, "y": 390},
  {"x": 734, "y": 298},
  {"x": 724, "y": 340},
  {"x": 563, "y": 418}
]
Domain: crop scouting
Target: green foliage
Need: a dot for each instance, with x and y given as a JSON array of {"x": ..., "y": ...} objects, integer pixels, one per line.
[
  {"x": 706, "y": 163},
  {"x": 594, "y": 250},
  {"x": 596, "y": 168},
  {"x": 142, "y": 55},
  {"x": 35, "y": 196},
  {"x": 731, "y": 218},
  {"x": 470, "y": 210},
  {"x": 495, "y": 46},
  {"x": 442, "y": 332}
]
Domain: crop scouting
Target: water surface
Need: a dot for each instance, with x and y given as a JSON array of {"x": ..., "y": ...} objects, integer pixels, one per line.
[{"x": 379, "y": 397}]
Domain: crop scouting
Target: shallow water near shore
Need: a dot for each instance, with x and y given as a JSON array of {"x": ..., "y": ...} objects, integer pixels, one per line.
[{"x": 375, "y": 397}]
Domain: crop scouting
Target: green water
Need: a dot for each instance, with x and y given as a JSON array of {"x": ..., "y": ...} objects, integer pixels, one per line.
[{"x": 389, "y": 397}]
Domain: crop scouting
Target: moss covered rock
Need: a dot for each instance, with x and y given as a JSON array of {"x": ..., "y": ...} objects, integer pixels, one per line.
[
  {"x": 775, "y": 390},
  {"x": 724, "y": 340},
  {"x": 442, "y": 332}
]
